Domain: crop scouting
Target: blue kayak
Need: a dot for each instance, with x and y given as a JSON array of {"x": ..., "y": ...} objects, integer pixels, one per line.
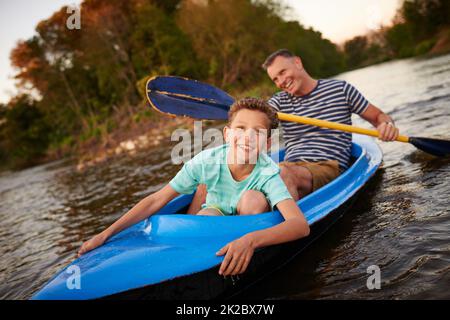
[{"x": 173, "y": 255}]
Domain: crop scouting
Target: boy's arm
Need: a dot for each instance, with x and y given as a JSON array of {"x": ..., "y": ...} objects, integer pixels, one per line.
[
  {"x": 145, "y": 208},
  {"x": 240, "y": 251},
  {"x": 294, "y": 227}
]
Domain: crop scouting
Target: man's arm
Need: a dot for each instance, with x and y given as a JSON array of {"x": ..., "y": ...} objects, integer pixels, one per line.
[
  {"x": 380, "y": 120},
  {"x": 238, "y": 253}
]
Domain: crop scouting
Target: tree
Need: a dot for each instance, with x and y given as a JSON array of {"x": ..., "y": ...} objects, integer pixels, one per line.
[
  {"x": 81, "y": 83},
  {"x": 355, "y": 50},
  {"x": 234, "y": 37},
  {"x": 23, "y": 132}
]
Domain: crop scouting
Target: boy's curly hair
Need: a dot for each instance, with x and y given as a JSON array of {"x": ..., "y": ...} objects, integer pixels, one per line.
[{"x": 257, "y": 105}]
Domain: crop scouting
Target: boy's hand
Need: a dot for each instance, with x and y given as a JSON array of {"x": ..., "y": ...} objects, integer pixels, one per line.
[
  {"x": 92, "y": 243},
  {"x": 238, "y": 254}
]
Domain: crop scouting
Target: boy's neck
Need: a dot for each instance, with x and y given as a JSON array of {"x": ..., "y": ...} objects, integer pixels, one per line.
[{"x": 239, "y": 171}]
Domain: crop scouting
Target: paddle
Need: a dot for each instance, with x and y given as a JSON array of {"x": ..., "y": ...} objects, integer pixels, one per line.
[{"x": 181, "y": 96}]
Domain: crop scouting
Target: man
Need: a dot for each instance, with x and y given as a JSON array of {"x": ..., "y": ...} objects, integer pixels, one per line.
[{"x": 314, "y": 156}]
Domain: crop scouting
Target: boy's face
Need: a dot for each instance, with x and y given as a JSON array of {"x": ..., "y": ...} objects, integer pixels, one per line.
[{"x": 248, "y": 135}]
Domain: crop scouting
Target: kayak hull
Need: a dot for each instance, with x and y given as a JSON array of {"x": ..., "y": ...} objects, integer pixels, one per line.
[
  {"x": 172, "y": 255},
  {"x": 208, "y": 285}
]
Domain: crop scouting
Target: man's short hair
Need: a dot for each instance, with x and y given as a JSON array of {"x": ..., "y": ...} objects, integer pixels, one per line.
[{"x": 279, "y": 53}]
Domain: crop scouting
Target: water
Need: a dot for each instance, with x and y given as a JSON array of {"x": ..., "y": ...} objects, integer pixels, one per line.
[{"x": 400, "y": 223}]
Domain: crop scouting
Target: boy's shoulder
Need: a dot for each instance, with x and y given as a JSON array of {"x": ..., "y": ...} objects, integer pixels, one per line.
[{"x": 267, "y": 166}]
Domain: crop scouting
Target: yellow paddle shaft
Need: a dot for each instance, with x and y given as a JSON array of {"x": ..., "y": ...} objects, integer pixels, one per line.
[{"x": 333, "y": 125}]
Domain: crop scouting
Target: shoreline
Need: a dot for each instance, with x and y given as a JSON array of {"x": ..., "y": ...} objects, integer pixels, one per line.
[
  {"x": 143, "y": 135},
  {"x": 131, "y": 136}
]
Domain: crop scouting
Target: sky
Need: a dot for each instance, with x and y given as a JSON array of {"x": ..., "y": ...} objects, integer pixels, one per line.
[
  {"x": 341, "y": 20},
  {"x": 18, "y": 19},
  {"x": 338, "y": 20}
]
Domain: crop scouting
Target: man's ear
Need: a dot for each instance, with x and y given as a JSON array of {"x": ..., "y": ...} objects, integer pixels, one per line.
[{"x": 298, "y": 62}]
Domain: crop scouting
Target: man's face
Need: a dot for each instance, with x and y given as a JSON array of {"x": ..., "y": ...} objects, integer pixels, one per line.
[{"x": 287, "y": 74}]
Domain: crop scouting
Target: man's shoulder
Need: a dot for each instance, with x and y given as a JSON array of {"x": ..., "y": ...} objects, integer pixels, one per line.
[
  {"x": 323, "y": 84},
  {"x": 281, "y": 95},
  {"x": 280, "y": 100},
  {"x": 332, "y": 82}
]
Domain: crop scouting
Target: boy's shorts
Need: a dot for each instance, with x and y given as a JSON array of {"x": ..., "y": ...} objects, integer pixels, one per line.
[
  {"x": 217, "y": 208},
  {"x": 322, "y": 172}
]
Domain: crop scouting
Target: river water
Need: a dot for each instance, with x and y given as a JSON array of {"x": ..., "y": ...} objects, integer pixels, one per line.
[{"x": 400, "y": 223}]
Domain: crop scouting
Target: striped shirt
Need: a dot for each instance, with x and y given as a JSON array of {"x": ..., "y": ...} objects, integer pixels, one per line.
[{"x": 332, "y": 100}]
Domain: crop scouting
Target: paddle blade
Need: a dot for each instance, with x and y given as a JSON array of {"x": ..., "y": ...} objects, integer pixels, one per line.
[
  {"x": 178, "y": 106},
  {"x": 185, "y": 97},
  {"x": 436, "y": 147}
]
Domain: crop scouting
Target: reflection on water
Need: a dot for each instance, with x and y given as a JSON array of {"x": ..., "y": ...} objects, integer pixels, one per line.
[{"x": 400, "y": 222}]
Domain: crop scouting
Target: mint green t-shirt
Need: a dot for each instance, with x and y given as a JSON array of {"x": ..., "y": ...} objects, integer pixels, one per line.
[{"x": 210, "y": 167}]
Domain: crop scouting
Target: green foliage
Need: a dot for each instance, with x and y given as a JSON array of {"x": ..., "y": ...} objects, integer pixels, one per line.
[
  {"x": 319, "y": 56},
  {"x": 91, "y": 81},
  {"x": 233, "y": 38},
  {"x": 356, "y": 51},
  {"x": 413, "y": 33},
  {"x": 424, "y": 47},
  {"x": 23, "y": 132},
  {"x": 400, "y": 40},
  {"x": 264, "y": 90}
]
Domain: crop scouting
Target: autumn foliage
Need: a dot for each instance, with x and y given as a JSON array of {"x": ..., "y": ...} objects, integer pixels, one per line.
[{"x": 81, "y": 85}]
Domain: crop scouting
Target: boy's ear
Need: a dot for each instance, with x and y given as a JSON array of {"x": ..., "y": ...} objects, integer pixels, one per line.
[
  {"x": 269, "y": 143},
  {"x": 226, "y": 133}
]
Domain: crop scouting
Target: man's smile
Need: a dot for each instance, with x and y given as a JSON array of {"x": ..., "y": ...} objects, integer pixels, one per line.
[{"x": 288, "y": 85}]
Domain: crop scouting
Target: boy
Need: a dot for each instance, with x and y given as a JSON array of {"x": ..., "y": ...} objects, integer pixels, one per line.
[{"x": 240, "y": 179}]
